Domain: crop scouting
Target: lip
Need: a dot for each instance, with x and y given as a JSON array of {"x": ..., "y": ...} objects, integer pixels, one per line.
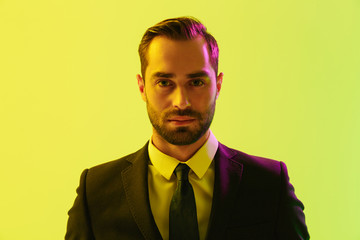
[{"x": 181, "y": 118}]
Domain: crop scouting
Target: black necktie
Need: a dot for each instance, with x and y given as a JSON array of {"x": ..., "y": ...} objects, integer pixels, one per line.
[{"x": 182, "y": 219}]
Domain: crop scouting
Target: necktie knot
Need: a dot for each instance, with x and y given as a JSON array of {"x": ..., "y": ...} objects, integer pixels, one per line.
[{"x": 182, "y": 172}]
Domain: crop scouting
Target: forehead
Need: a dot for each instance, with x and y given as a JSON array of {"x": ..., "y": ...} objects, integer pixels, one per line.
[{"x": 178, "y": 56}]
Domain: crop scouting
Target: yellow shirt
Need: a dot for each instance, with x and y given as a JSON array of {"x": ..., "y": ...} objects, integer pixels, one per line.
[{"x": 162, "y": 184}]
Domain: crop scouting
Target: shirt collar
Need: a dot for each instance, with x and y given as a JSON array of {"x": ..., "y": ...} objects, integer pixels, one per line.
[{"x": 199, "y": 162}]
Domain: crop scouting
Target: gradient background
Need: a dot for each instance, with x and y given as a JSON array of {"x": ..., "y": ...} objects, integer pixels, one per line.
[{"x": 69, "y": 99}]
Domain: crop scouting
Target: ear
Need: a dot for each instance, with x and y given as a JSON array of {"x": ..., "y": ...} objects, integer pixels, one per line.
[
  {"x": 141, "y": 85},
  {"x": 219, "y": 80}
]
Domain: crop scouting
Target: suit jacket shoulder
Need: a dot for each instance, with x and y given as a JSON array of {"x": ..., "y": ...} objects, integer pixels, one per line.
[
  {"x": 253, "y": 199},
  {"x": 105, "y": 173},
  {"x": 265, "y": 164},
  {"x": 113, "y": 202}
]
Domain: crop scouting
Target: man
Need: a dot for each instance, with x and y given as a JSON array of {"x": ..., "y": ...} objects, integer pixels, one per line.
[{"x": 184, "y": 184}]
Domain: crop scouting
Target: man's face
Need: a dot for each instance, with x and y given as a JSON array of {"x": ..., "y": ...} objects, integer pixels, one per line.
[{"x": 180, "y": 89}]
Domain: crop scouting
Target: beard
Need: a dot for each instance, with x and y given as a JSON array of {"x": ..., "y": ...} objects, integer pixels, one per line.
[{"x": 182, "y": 135}]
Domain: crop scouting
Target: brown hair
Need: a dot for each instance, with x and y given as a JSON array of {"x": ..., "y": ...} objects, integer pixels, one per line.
[{"x": 182, "y": 28}]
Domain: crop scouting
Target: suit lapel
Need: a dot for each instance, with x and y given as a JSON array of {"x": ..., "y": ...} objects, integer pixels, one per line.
[
  {"x": 136, "y": 190},
  {"x": 228, "y": 172}
]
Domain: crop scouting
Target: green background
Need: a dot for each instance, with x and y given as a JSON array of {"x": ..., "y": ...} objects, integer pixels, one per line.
[{"x": 69, "y": 99}]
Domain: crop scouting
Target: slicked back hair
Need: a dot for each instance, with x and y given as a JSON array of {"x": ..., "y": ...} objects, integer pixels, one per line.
[{"x": 182, "y": 28}]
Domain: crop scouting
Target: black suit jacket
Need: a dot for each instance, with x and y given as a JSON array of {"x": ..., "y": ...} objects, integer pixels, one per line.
[{"x": 253, "y": 199}]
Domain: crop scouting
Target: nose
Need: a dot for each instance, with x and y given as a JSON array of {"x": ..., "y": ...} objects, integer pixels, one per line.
[{"x": 181, "y": 99}]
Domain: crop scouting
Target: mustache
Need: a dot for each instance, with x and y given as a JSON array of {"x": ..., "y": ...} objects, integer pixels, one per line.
[{"x": 182, "y": 112}]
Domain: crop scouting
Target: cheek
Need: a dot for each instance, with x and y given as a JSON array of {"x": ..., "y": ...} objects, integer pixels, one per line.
[
  {"x": 201, "y": 102},
  {"x": 157, "y": 101},
  {"x": 205, "y": 97}
]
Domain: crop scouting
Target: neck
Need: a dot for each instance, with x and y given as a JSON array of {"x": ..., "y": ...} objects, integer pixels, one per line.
[{"x": 180, "y": 152}]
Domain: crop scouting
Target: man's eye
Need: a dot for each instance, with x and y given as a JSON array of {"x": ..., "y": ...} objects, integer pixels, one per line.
[
  {"x": 164, "y": 83},
  {"x": 197, "y": 82}
]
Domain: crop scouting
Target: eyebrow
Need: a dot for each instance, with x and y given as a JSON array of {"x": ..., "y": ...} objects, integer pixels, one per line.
[
  {"x": 198, "y": 74},
  {"x": 171, "y": 75},
  {"x": 163, "y": 75}
]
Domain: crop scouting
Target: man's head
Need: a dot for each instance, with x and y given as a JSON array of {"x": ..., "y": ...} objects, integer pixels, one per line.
[
  {"x": 183, "y": 28},
  {"x": 179, "y": 62}
]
